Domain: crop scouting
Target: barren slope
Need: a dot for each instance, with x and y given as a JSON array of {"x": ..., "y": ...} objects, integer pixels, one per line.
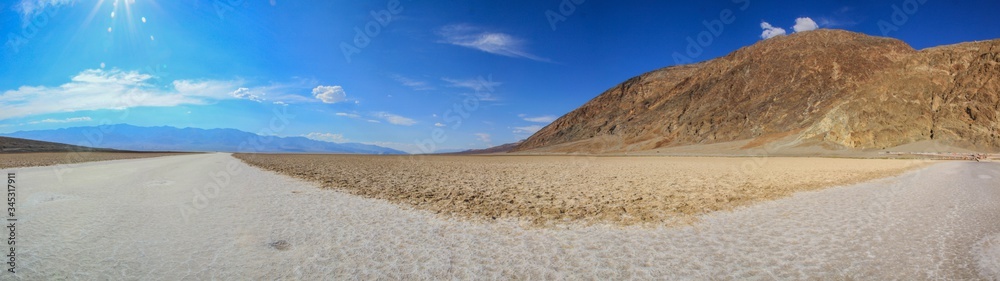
[
  {"x": 9, "y": 145},
  {"x": 830, "y": 88}
]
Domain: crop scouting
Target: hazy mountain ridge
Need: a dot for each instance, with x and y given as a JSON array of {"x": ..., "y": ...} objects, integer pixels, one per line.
[
  {"x": 826, "y": 88},
  {"x": 128, "y": 137},
  {"x": 503, "y": 148}
]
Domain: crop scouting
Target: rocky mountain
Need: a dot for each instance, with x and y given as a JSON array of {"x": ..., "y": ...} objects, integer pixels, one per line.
[
  {"x": 128, "y": 137},
  {"x": 825, "y": 88}
]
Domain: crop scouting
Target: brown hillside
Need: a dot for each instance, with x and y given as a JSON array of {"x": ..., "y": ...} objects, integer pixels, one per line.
[{"x": 829, "y": 88}]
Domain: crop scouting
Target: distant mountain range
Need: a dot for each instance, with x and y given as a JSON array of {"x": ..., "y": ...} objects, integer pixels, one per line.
[
  {"x": 128, "y": 137},
  {"x": 503, "y": 148}
]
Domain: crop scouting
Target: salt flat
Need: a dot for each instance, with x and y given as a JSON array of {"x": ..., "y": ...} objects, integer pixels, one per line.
[{"x": 209, "y": 216}]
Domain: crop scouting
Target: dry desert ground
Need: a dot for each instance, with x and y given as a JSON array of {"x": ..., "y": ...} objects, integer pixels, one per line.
[
  {"x": 553, "y": 189},
  {"x": 213, "y": 217}
]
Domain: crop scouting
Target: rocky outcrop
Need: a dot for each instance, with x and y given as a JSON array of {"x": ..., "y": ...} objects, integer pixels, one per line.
[{"x": 830, "y": 88}]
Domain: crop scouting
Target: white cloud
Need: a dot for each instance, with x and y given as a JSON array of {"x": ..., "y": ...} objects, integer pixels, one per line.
[
  {"x": 329, "y": 94},
  {"x": 527, "y": 129},
  {"x": 804, "y": 24},
  {"x": 208, "y": 89},
  {"x": 67, "y": 120},
  {"x": 281, "y": 103},
  {"x": 97, "y": 89},
  {"x": 483, "y": 137},
  {"x": 770, "y": 31},
  {"x": 349, "y": 115},
  {"x": 245, "y": 93},
  {"x": 373, "y": 121},
  {"x": 394, "y": 119},
  {"x": 414, "y": 84},
  {"x": 439, "y": 125},
  {"x": 491, "y": 42},
  {"x": 327, "y": 137},
  {"x": 539, "y": 119}
]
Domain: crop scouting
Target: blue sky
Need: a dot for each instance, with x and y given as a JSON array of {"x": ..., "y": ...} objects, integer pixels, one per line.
[{"x": 425, "y": 75}]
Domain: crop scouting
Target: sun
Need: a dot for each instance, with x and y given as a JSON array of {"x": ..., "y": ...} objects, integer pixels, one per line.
[
  {"x": 121, "y": 15},
  {"x": 125, "y": 22}
]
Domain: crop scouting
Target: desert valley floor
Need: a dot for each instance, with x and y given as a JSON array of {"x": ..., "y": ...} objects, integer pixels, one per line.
[{"x": 212, "y": 216}]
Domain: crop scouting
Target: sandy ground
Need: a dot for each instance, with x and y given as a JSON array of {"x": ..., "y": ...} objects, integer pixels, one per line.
[
  {"x": 161, "y": 219},
  {"x": 33, "y": 159},
  {"x": 555, "y": 189}
]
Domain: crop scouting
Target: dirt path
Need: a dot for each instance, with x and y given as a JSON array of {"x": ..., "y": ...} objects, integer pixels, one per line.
[{"x": 124, "y": 220}]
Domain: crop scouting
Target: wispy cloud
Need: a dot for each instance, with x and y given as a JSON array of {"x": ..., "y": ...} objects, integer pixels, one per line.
[
  {"x": 844, "y": 17},
  {"x": 348, "y": 115},
  {"x": 483, "y": 87},
  {"x": 527, "y": 129},
  {"x": 831, "y": 22},
  {"x": 483, "y": 137},
  {"x": 394, "y": 119},
  {"x": 416, "y": 85},
  {"x": 67, "y": 120},
  {"x": 491, "y": 42},
  {"x": 327, "y": 137},
  {"x": 388, "y": 117},
  {"x": 296, "y": 90},
  {"x": 478, "y": 85},
  {"x": 97, "y": 89},
  {"x": 539, "y": 119}
]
